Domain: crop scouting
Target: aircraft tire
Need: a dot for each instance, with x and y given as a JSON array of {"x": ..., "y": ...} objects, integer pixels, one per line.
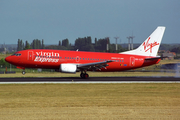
[
  {"x": 84, "y": 75},
  {"x": 23, "y": 72}
]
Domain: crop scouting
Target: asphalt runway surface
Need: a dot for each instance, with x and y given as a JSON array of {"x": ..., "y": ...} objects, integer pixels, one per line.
[{"x": 90, "y": 80}]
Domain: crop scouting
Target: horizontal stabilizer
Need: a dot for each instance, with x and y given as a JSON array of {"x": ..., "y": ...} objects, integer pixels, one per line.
[{"x": 154, "y": 58}]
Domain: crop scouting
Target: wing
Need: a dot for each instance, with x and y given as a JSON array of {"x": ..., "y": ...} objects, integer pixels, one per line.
[{"x": 93, "y": 66}]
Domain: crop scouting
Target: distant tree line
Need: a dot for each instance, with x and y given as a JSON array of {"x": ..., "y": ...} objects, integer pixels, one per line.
[
  {"x": 81, "y": 44},
  {"x": 86, "y": 44},
  {"x": 171, "y": 47},
  {"x": 36, "y": 44}
]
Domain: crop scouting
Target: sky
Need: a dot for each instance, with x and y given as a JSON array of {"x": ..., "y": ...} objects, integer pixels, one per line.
[{"x": 54, "y": 20}]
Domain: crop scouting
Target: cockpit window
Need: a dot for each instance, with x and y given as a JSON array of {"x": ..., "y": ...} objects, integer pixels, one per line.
[{"x": 17, "y": 54}]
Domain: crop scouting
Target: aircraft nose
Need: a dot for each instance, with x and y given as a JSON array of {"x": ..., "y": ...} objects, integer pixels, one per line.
[{"x": 8, "y": 59}]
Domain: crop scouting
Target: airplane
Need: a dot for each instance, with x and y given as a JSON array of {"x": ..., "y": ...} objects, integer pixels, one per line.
[{"x": 78, "y": 61}]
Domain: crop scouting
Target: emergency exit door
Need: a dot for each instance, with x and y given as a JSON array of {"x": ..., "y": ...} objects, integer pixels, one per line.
[{"x": 132, "y": 61}]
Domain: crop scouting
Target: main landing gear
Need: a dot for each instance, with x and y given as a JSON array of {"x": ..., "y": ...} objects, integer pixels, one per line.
[{"x": 84, "y": 75}]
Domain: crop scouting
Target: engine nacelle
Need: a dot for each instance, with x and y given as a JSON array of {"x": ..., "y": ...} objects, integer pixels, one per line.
[{"x": 68, "y": 68}]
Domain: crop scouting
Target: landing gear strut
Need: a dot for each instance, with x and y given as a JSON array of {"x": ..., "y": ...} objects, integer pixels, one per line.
[{"x": 84, "y": 75}]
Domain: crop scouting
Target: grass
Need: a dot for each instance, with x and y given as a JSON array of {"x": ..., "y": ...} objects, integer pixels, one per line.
[
  {"x": 169, "y": 61},
  {"x": 90, "y": 101},
  {"x": 3, "y": 55}
]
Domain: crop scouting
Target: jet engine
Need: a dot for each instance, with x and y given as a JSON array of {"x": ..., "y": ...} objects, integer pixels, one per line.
[{"x": 68, "y": 68}]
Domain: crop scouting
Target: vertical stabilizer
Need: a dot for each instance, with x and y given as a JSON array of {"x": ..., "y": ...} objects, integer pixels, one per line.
[{"x": 151, "y": 45}]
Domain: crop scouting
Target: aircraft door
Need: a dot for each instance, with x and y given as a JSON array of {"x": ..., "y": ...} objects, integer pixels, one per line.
[
  {"x": 132, "y": 61},
  {"x": 30, "y": 55}
]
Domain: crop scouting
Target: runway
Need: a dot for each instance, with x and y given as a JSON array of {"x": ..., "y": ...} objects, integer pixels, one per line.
[{"x": 90, "y": 80}]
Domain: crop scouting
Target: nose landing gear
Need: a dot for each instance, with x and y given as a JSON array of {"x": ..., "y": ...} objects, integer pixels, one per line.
[
  {"x": 23, "y": 72},
  {"x": 84, "y": 75}
]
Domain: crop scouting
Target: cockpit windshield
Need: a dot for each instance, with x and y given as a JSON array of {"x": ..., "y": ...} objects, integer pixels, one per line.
[{"x": 17, "y": 54}]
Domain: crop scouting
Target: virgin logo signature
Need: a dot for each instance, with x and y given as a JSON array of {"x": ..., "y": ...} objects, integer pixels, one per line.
[{"x": 149, "y": 46}]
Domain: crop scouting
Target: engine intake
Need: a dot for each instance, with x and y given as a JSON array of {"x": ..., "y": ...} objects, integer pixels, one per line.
[{"x": 68, "y": 68}]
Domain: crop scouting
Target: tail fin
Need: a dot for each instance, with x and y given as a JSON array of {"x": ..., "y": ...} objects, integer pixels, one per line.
[{"x": 151, "y": 45}]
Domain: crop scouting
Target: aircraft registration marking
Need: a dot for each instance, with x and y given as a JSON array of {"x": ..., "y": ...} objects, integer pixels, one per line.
[{"x": 117, "y": 58}]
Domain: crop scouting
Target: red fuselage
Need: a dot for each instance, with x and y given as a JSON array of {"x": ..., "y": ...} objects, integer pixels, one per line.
[{"x": 52, "y": 59}]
